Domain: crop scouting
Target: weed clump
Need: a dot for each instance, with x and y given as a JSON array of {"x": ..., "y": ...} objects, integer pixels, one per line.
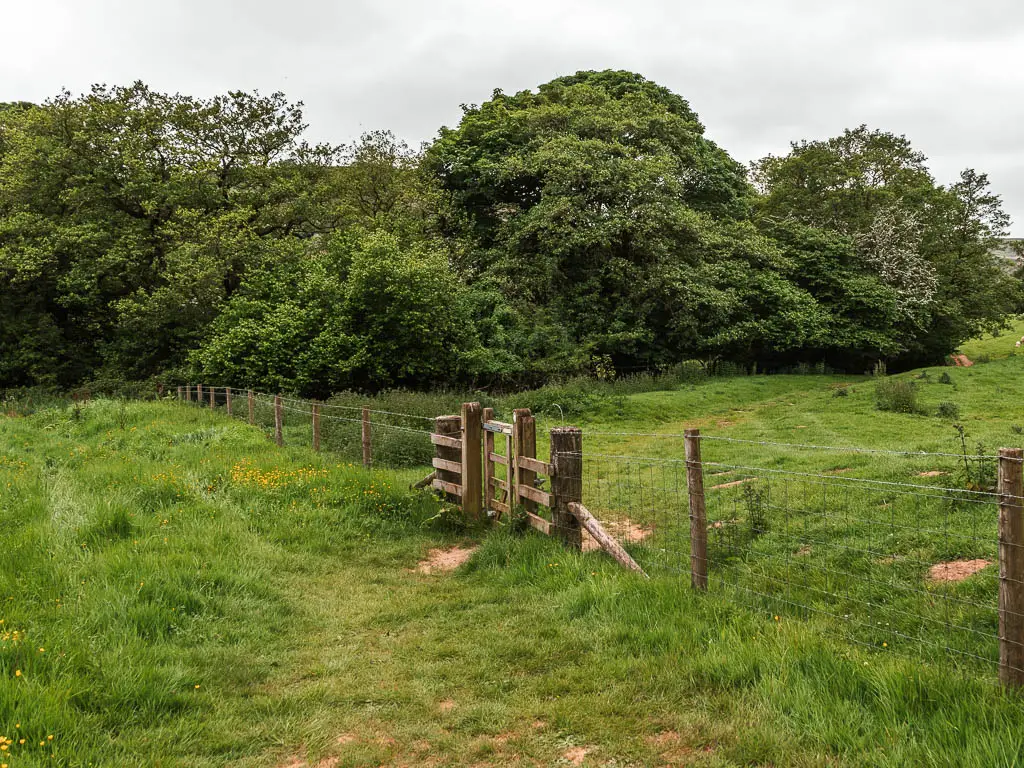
[
  {"x": 948, "y": 410},
  {"x": 896, "y": 396},
  {"x": 945, "y": 378}
]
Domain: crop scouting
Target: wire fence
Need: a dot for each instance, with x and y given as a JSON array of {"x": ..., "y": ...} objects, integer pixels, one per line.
[
  {"x": 896, "y": 566},
  {"x": 396, "y": 439},
  {"x": 905, "y": 559}
]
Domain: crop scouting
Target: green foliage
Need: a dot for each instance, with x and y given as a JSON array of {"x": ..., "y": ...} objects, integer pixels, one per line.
[
  {"x": 128, "y": 216},
  {"x": 588, "y": 227},
  {"x": 356, "y": 312},
  {"x": 896, "y": 395},
  {"x": 948, "y": 410},
  {"x": 927, "y": 249},
  {"x": 611, "y": 227}
]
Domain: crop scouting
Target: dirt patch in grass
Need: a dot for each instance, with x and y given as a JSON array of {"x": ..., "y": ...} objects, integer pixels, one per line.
[
  {"x": 840, "y": 471},
  {"x": 956, "y": 570},
  {"x": 665, "y": 737},
  {"x": 446, "y": 705},
  {"x": 624, "y": 531},
  {"x": 575, "y": 755},
  {"x": 932, "y": 473},
  {"x": 298, "y": 762},
  {"x": 445, "y": 560},
  {"x": 733, "y": 484},
  {"x": 961, "y": 361}
]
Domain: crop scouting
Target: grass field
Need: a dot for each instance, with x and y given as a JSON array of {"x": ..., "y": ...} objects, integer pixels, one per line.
[{"x": 177, "y": 591}]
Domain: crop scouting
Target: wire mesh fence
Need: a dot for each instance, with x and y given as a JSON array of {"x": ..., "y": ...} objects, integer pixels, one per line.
[
  {"x": 893, "y": 565},
  {"x": 396, "y": 439},
  {"x": 897, "y": 551}
]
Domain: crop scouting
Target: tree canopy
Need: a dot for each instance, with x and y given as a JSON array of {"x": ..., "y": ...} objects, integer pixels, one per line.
[{"x": 145, "y": 234}]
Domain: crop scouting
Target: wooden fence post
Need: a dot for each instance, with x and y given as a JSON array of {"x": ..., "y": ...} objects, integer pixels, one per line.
[
  {"x": 698, "y": 511},
  {"x": 524, "y": 443},
  {"x": 472, "y": 487},
  {"x": 213, "y": 398},
  {"x": 179, "y": 393},
  {"x": 252, "y": 407},
  {"x": 367, "y": 447},
  {"x": 488, "y": 415},
  {"x": 449, "y": 426},
  {"x": 316, "y": 426},
  {"x": 199, "y": 395},
  {"x": 1011, "y": 567},
  {"x": 278, "y": 421},
  {"x": 227, "y": 399},
  {"x": 567, "y": 483}
]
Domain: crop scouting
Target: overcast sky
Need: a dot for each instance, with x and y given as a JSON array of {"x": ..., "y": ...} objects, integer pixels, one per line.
[{"x": 949, "y": 74}]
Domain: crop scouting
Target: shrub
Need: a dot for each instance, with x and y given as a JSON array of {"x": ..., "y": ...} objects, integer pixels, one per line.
[
  {"x": 897, "y": 396},
  {"x": 948, "y": 410},
  {"x": 841, "y": 392},
  {"x": 945, "y": 378}
]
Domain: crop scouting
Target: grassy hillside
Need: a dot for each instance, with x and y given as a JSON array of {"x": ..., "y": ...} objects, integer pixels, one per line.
[{"x": 179, "y": 591}]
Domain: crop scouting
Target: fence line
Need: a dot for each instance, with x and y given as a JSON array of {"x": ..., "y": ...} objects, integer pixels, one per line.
[
  {"x": 803, "y": 446},
  {"x": 894, "y": 566}
]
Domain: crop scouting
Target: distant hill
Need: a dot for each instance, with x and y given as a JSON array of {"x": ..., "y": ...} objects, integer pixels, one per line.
[{"x": 1010, "y": 248}]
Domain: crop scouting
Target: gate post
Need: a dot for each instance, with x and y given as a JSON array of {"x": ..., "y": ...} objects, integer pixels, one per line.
[
  {"x": 472, "y": 500},
  {"x": 567, "y": 483},
  {"x": 488, "y": 415},
  {"x": 524, "y": 443}
]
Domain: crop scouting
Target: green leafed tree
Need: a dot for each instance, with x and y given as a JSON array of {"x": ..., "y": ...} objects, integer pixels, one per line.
[
  {"x": 353, "y": 311},
  {"x": 931, "y": 246},
  {"x": 601, "y": 221},
  {"x": 129, "y": 217}
]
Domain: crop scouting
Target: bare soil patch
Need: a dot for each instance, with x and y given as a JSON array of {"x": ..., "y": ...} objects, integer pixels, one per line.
[
  {"x": 956, "y": 570},
  {"x": 445, "y": 560},
  {"x": 624, "y": 531},
  {"x": 298, "y": 762},
  {"x": 575, "y": 755},
  {"x": 733, "y": 484},
  {"x": 932, "y": 473},
  {"x": 961, "y": 361}
]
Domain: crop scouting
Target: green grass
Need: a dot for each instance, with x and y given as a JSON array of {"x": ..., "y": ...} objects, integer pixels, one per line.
[
  {"x": 151, "y": 548},
  {"x": 998, "y": 346}
]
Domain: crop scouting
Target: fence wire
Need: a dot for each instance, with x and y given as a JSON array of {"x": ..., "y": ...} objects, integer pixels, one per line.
[
  {"x": 903, "y": 562},
  {"x": 397, "y": 439},
  {"x": 896, "y": 566}
]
